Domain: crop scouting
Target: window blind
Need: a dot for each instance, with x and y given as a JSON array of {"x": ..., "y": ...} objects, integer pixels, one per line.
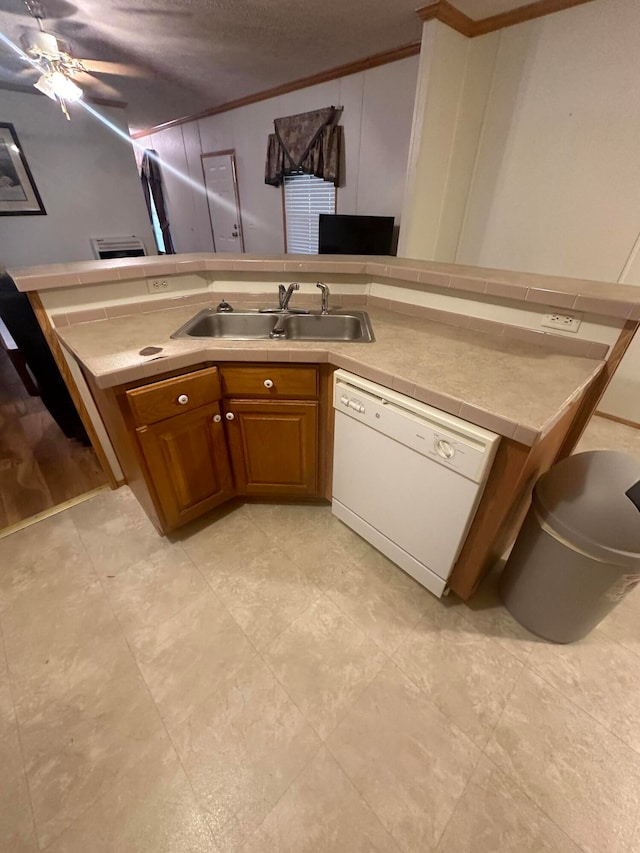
[{"x": 305, "y": 198}]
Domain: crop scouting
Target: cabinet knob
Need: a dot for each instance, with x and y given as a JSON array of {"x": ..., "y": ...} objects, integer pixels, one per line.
[
  {"x": 183, "y": 399},
  {"x": 217, "y": 419},
  {"x": 268, "y": 383},
  {"x": 229, "y": 416}
]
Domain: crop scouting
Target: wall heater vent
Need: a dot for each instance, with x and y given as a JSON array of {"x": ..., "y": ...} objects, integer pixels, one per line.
[{"x": 117, "y": 247}]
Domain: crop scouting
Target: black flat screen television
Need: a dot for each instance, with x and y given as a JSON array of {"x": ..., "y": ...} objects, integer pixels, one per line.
[{"x": 342, "y": 234}]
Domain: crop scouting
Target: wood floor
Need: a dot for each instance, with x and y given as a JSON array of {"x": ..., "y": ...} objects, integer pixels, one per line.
[{"x": 39, "y": 467}]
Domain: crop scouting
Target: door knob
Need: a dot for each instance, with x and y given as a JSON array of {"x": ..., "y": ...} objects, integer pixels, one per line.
[
  {"x": 234, "y": 233},
  {"x": 217, "y": 419},
  {"x": 268, "y": 383},
  {"x": 229, "y": 416},
  {"x": 183, "y": 399}
]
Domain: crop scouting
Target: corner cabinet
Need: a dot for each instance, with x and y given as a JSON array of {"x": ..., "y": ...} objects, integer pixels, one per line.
[
  {"x": 188, "y": 443},
  {"x": 181, "y": 436},
  {"x": 272, "y": 416}
]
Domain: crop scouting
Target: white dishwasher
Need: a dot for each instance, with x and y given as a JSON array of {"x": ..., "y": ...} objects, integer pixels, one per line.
[{"x": 407, "y": 477}]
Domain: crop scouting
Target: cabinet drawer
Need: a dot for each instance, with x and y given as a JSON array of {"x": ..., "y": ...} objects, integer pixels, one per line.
[
  {"x": 174, "y": 396},
  {"x": 269, "y": 381}
]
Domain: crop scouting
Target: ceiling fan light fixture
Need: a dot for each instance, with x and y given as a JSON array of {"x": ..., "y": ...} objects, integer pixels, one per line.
[
  {"x": 41, "y": 44},
  {"x": 64, "y": 87},
  {"x": 43, "y": 85},
  {"x": 55, "y": 84}
]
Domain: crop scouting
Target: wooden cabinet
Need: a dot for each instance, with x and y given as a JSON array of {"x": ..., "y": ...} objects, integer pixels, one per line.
[
  {"x": 274, "y": 447},
  {"x": 188, "y": 463},
  {"x": 272, "y": 418},
  {"x": 175, "y": 396},
  {"x": 273, "y": 381},
  {"x": 189, "y": 442},
  {"x": 179, "y": 433}
]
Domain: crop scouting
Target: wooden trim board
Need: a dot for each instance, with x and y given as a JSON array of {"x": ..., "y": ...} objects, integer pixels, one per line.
[
  {"x": 516, "y": 469},
  {"x": 506, "y": 500},
  {"x": 53, "y": 510},
  {"x": 440, "y": 10},
  {"x": 74, "y": 392},
  {"x": 598, "y": 387},
  {"x": 373, "y": 61},
  {"x": 538, "y": 9},
  {"x": 618, "y": 420},
  {"x": 447, "y": 14},
  {"x": 106, "y": 102}
]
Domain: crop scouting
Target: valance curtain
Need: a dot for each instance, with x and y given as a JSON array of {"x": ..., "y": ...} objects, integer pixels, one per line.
[
  {"x": 152, "y": 188},
  {"x": 307, "y": 142}
]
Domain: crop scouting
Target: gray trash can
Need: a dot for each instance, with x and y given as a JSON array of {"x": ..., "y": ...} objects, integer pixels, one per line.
[{"x": 578, "y": 553}]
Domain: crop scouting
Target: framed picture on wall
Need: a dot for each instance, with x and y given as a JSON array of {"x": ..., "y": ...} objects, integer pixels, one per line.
[{"x": 18, "y": 193}]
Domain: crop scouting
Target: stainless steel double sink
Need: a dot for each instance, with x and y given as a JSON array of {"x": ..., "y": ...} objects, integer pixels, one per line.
[{"x": 255, "y": 325}]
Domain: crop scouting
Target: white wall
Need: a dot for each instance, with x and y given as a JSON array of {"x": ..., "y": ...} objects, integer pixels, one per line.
[
  {"x": 555, "y": 187},
  {"x": 86, "y": 176},
  {"x": 557, "y": 183},
  {"x": 378, "y": 109},
  {"x": 454, "y": 79}
]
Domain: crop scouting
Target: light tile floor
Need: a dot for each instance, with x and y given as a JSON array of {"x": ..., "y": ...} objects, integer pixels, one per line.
[{"x": 271, "y": 683}]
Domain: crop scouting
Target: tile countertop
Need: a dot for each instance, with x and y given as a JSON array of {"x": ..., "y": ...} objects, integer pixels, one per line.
[
  {"x": 596, "y": 297},
  {"x": 512, "y": 387}
]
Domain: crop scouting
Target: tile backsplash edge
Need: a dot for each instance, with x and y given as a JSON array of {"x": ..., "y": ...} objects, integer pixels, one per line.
[{"x": 566, "y": 346}]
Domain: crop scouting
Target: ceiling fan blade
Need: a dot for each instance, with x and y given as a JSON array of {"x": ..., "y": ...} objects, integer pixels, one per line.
[
  {"x": 22, "y": 73},
  {"x": 96, "y": 87},
  {"x": 21, "y": 77},
  {"x": 135, "y": 10},
  {"x": 99, "y": 66}
]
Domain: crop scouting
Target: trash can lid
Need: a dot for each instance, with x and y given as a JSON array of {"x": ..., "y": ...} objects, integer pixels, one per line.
[{"x": 589, "y": 500}]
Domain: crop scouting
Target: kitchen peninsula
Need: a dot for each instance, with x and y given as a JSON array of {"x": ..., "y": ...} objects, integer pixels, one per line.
[{"x": 468, "y": 341}]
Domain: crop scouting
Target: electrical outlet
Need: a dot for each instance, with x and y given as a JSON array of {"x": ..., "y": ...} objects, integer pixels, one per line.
[
  {"x": 158, "y": 285},
  {"x": 563, "y": 322}
]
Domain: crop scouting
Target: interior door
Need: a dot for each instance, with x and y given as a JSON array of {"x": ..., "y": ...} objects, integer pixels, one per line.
[{"x": 220, "y": 180}]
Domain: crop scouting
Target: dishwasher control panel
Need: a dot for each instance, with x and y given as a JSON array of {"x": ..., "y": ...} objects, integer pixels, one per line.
[
  {"x": 354, "y": 404},
  {"x": 448, "y": 440}
]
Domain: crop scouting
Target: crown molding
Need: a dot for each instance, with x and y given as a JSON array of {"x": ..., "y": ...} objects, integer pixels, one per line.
[
  {"x": 447, "y": 14},
  {"x": 440, "y": 10},
  {"x": 524, "y": 13},
  {"x": 372, "y": 61}
]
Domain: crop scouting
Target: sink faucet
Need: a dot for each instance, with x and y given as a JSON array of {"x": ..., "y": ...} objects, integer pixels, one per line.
[
  {"x": 284, "y": 297},
  {"x": 325, "y": 297}
]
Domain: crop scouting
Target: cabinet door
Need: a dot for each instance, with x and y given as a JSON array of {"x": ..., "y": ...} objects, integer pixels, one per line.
[
  {"x": 188, "y": 463},
  {"x": 274, "y": 447}
]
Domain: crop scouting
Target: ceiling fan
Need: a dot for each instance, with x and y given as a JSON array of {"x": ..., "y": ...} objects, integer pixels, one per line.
[{"x": 64, "y": 77}]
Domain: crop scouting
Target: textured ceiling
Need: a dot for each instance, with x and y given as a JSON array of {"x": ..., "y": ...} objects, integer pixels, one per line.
[{"x": 195, "y": 54}]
